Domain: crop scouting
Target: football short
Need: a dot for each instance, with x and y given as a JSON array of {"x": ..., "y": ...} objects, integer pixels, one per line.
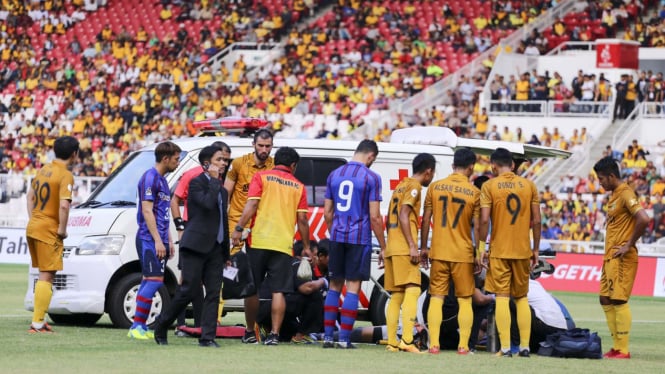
[
  {"x": 151, "y": 266},
  {"x": 618, "y": 276},
  {"x": 508, "y": 276},
  {"x": 443, "y": 272},
  {"x": 45, "y": 256},
  {"x": 399, "y": 272},
  {"x": 272, "y": 267},
  {"x": 349, "y": 261}
]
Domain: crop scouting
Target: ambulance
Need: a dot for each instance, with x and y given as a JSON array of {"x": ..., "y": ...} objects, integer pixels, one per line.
[{"x": 101, "y": 268}]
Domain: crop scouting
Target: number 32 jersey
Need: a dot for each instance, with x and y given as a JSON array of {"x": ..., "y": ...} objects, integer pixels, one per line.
[
  {"x": 52, "y": 183},
  {"x": 454, "y": 202},
  {"x": 351, "y": 187},
  {"x": 509, "y": 198}
]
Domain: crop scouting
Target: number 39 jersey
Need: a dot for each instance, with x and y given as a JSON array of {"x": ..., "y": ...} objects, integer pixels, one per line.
[
  {"x": 509, "y": 198},
  {"x": 454, "y": 202},
  {"x": 406, "y": 193},
  {"x": 52, "y": 183},
  {"x": 350, "y": 188}
]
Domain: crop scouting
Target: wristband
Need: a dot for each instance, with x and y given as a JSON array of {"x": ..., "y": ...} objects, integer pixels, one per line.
[
  {"x": 179, "y": 223},
  {"x": 482, "y": 247}
]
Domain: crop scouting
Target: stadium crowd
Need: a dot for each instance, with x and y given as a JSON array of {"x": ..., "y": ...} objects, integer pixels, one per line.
[{"x": 128, "y": 89}]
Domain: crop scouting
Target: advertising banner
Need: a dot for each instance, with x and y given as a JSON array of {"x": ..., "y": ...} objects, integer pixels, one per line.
[
  {"x": 13, "y": 246},
  {"x": 577, "y": 272}
]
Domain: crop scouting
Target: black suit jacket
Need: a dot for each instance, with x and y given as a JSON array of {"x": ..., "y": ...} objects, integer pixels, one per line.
[{"x": 204, "y": 217}]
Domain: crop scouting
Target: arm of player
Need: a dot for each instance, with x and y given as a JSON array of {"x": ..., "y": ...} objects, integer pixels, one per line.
[
  {"x": 30, "y": 201},
  {"x": 63, "y": 217},
  {"x": 424, "y": 236},
  {"x": 312, "y": 286},
  {"x": 247, "y": 213},
  {"x": 484, "y": 229},
  {"x": 536, "y": 231},
  {"x": 175, "y": 213},
  {"x": 151, "y": 222},
  {"x": 328, "y": 212},
  {"x": 641, "y": 223},
  {"x": 376, "y": 221},
  {"x": 405, "y": 225},
  {"x": 229, "y": 185},
  {"x": 479, "y": 254},
  {"x": 303, "y": 229}
]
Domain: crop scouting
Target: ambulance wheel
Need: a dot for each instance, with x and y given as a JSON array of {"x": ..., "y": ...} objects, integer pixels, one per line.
[{"x": 123, "y": 301}]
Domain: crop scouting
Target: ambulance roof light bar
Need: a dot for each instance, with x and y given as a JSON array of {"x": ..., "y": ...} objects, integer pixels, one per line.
[{"x": 231, "y": 125}]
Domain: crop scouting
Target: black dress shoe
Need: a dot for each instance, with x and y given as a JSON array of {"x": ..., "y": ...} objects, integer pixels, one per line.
[
  {"x": 161, "y": 340},
  {"x": 160, "y": 334},
  {"x": 208, "y": 343}
]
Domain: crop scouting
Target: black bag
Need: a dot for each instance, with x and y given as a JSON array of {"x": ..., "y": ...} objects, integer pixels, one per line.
[
  {"x": 243, "y": 284},
  {"x": 573, "y": 343}
]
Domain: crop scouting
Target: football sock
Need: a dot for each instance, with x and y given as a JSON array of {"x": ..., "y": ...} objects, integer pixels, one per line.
[
  {"x": 144, "y": 302},
  {"x": 392, "y": 316},
  {"x": 523, "y": 321},
  {"x": 624, "y": 320},
  {"x": 330, "y": 307},
  {"x": 465, "y": 321},
  {"x": 611, "y": 317},
  {"x": 409, "y": 310},
  {"x": 503, "y": 320},
  {"x": 434, "y": 320},
  {"x": 43, "y": 294},
  {"x": 220, "y": 310},
  {"x": 348, "y": 316}
]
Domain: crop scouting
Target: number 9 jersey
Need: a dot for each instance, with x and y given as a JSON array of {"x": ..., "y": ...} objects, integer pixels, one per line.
[
  {"x": 509, "y": 198},
  {"x": 351, "y": 187},
  {"x": 52, "y": 183}
]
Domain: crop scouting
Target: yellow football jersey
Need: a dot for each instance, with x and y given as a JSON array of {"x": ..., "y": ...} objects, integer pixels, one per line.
[
  {"x": 52, "y": 183},
  {"x": 242, "y": 171},
  {"x": 454, "y": 202},
  {"x": 406, "y": 193},
  {"x": 509, "y": 198},
  {"x": 621, "y": 208}
]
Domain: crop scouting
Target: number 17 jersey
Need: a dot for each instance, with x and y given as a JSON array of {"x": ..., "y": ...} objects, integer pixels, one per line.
[
  {"x": 351, "y": 187},
  {"x": 454, "y": 201},
  {"x": 509, "y": 198}
]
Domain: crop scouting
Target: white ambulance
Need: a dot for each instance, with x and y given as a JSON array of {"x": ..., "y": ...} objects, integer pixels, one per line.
[{"x": 101, "y": 269}]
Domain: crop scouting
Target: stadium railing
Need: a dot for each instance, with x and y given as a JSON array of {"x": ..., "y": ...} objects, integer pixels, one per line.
[
  {"x": 572, "y": 246},
  {"x": 551, "y": 108}
]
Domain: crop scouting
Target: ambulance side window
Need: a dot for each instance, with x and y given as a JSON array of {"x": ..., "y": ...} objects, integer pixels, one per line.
[{"x": 313, "y": 172}]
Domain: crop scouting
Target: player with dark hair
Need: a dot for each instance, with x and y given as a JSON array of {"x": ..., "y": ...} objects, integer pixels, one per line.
[
  {"x": 402, "y": 259},
  {"x": 276, "y": 201},
  {"x": 626, "y": 222},
  {"x": 204, "y": 248},
  {"x": 511, "y": 202},
  {"x": 352, "y": 213},
  {"x": 180, "y": 197},
  {"x": 237, "y": 184},
  {"x": 453, "y": 203},
  {"x": 49, "y": 199},
  {"x": 153, "y": 239}
]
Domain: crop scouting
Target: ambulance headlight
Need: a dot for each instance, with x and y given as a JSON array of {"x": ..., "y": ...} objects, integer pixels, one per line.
[{"x": 101, "y": 245}]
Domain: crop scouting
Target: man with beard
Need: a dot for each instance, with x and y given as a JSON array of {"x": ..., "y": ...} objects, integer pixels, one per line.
[{"x": 237, "y": 184}]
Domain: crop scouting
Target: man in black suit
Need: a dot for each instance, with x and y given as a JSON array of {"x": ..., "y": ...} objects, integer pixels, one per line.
[{"x": 204, "y": 248}]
